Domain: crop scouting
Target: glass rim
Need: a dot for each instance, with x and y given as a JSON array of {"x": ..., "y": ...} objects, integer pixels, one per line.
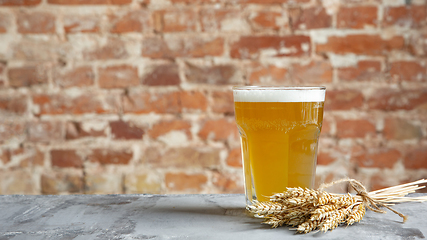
[{"x": 234, "y": 88}]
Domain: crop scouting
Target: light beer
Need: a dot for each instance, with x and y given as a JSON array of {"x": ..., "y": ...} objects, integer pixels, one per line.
[{"x": 279, "y": 130}]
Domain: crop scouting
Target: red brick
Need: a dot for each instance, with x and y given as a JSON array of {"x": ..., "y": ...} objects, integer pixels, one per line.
[
  {"x": 185, "y": 182},
  {"x": 357, "y": 17},
  {"x": 121, "y": 76},
  {"x": 316, "y": 72},
  {"x": 364, "y": 71},
  {"x": 234, "y": 158},
  {"x": 401, "y": 129},
  {"x": 89, "y": 2},
  {"x": 326, "y": 127},
  {"x": 226, "y": 183},
  {"x": 27, "y": 75},
  {"x": 86, "y": 102},
  {"x": 45, "y": 131},
  {"x": 266, "y": 74},
  {"x": 218, "y": 130},
  {"x": 408, "y": 71},
  {"x": 20, "y": 2},
  {"x": 224, "y": 20},
  {"x": 182, "y": 46},
  {"x": 215, "y": 75},
  {"x": 113, "y": 48},
  {"x": 5, "y": 22},
  {"x": 267, "y": 19},
  {"x": 18, "y": 181},
  {"x": 355, "y": 128},
  {"x": 194, "y": 1},
  {"x": 133, "y": 21},
  {"x": 184, "y": 157},
  {"x": 145, "y": 102},
  {"x": 13, "y": 104},
  {"x": 176, "y": 20},
  {"x": 377, "y": 158},
  {"x": 5, "y": 156},
  {"x": 309, "y": 18},
  {"x": 162, "y": 75},
  {"x": 81, "y": 24},
  {"x": 416, "y": 158},
  {"x": 271, "y": 1},
  {"x": 377, "y": 182},
  {"x": 59, "y": 183},
  {"x": 325, "y": 158},
  {"x": 164, "y": 127},
  {"x": 36, "y": 22},
  {"x": 372, "y": 45},
  {"x": 76, "y": 77},
  {"x": 66, "y": 158},
  {"x": 29, "y": 156},
  {"x": 343, "y": 99},
  {"x": 223, "y": 102},
  {"x": 391, "y": 99},
  {"x": 277, "y": 46},
  {"x": 193, "y": 100},
  {"x": 75, "y": 130},
  {"x": 109, "y": 156},
  {"x": 10, "y": 130},
  {"x": 418, "y": 44},
  {"x": 125, "y": 130},
  {"x": 405, "y": 16}
]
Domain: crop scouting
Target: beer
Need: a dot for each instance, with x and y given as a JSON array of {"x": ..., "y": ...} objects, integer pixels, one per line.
[{"x": 279, "y": 130}]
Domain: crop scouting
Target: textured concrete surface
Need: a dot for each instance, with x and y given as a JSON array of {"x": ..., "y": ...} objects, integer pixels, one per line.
[{"x": 175, "y": 217}]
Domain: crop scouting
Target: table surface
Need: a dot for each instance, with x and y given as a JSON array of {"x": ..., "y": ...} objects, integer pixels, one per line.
[{"x": 176, "y": 217}]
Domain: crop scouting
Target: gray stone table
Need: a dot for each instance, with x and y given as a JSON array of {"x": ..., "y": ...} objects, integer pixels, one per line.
[{"x": 176, "y": 217}]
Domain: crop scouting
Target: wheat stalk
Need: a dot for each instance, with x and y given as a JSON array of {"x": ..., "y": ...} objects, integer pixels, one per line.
[{"x": 308, "y": 209}]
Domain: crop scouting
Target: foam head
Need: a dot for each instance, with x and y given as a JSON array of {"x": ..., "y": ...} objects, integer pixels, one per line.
[{"x": 279, "y": 94}]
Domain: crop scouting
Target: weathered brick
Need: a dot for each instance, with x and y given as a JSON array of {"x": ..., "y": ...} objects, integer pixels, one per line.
[
  {"x": 164, "y": 127},
  {"x": 20, "y": 2},
  {"x": 267, "y": 19},
  {"x": 393, "y": 99},
  {"x": 227, "y": 183},
  {"x": 176, "y": 20},
  {"x": 133, "y": 21},
  {"x": 143, "y": 183},
  {"x": 218, "y": 130},
  {"x": 36, "y": 22},
  {"x": 110, "y": 156},
  {"x": 401, "y": 129},
  {"x": 99, "y": 181},
  {"x": 325, "y": 158},
  {"x": 5, "y": 156},
  {"x": 182, "y": 157},
  {"x": 43, "y": 49},
  {"x": 234, "y": 158},
  {"x": 17, "y": 181},
  {"x": 81, "y": 24},
  {"x": 405, "y": 16},
  {"x": 372, "y": 45},
  {"x": 309, "y": 18},
  {"x": 182, "y": 46},
  {"x": 76, "y": 77},
  {"x": 363, "y": 71},
  {"x": 223, "y": 19},
  {"x": 185, "y": 182},
  {"x": 66, "y": 158},
  {"x": 125, "y": 130},
  {"x": 417, "y": 44},
  {"x": 316, "y": 72},
  {"x": 271, "y": 1},
  {"x": 358, "y": 128},
  {"x": 223, "y": 102},
  {"x": 45, "y": 131},
  {"x": 75, "y": 130},
  {"x": 120, "y": 76},
  {"x": 357, "y": 17},
  {"x": 161, "y": 75},
  {"x": 89, "y": 2},
  {"x": 5, "y": 22},
  {"x": 111, "y": 48},
  {"x": 60, "y": 183},
  {"x": 80, "y": 103},
  {"x": 267, "y": 74},
  {"x": 28, "y": 156},
  {"x": 377, "y": 158},
  {"x": 215, "y": 75},
  {"x": 13, "y": 104},
  {"x": 193, "y": 101},
  {"x": 27, "y": 75},
  {"x": 11, "y": 130},
  {"x": 408, "y": 71},
  {"x": 146, "y": 102},
  {"x": 416, "y": 158},
  {"x": 271, "y": 46},
  {"x": 343, "y": 99}
]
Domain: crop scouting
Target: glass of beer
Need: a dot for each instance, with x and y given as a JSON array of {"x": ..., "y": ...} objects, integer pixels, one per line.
[{"x": 279, "y": 131}]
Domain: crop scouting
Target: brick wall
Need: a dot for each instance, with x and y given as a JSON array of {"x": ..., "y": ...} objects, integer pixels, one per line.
[{"x": 133, "y": 96}]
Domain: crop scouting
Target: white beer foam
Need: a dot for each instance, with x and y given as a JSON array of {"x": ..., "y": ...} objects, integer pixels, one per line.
[{"x": 279, "y": 95}]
